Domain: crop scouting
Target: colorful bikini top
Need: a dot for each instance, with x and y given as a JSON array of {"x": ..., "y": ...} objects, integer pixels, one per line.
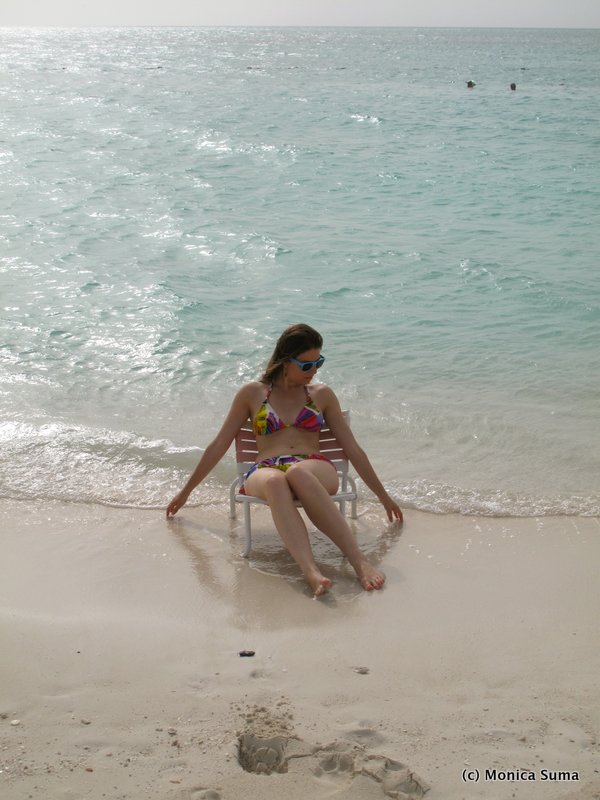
[{"x": 267, "y": 420}]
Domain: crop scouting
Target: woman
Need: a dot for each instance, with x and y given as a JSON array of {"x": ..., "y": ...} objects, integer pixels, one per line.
[{"x": 287, "y": 420}]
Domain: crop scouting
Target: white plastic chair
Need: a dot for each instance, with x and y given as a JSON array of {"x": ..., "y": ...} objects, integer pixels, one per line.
[{"x": 246, "y": 453}]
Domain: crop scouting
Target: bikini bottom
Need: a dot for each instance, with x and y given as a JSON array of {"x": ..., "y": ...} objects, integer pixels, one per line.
[{"x": 283, "y": 463}]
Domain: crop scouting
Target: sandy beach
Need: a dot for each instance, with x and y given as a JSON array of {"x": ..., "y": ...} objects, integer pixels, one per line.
[{"x": 473, "y": 674}]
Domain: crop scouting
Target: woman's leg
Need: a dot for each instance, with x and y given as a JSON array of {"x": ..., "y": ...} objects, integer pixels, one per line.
[
  {"x": 271, "y": 485},
  {"x": 313, "y": 482}
]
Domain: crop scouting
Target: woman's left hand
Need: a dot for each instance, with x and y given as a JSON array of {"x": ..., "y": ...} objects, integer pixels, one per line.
[
  {"x": 176, "y": 503},
  {"x": 392, "y": 509}
]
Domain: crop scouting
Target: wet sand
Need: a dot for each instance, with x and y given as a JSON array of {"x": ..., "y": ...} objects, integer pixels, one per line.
[{"x": 120, "y": 673}]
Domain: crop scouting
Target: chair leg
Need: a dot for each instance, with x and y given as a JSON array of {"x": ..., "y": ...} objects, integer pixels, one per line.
[
  {"x": 247, "y": 531},
  {"x": 232, "y": 492}
]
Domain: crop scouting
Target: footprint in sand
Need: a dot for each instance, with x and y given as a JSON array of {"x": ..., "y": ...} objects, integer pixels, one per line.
[
  {"x": 205, "y": 794},
  {"x": 346, "y": 762},
  {"x": 262, "y": 756},
  {"x": 343, "y": 763}
]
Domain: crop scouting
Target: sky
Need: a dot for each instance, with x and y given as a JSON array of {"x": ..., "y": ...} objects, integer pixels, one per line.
[{"x": 424, "y": 13}]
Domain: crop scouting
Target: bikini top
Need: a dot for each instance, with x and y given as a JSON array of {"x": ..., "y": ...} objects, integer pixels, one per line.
[{"x": 267, "y": 420}]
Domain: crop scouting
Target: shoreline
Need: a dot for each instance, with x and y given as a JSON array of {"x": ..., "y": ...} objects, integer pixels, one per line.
[{"x": 122, "y": 631}]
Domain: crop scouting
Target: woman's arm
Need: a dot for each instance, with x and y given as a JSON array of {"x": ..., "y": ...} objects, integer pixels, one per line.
[
  {"x": 236, "y": 417},
  {"x": 357, "y": 456}
]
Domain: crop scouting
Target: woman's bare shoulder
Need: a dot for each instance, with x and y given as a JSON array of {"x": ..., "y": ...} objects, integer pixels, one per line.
[
  {"x": 251, "y": 390},
  {"x": 322, "y": 394},
  {"x": 247, "y": 398}
]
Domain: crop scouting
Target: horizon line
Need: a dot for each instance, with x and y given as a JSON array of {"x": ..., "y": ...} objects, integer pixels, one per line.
[{"x": 304, "y": 26}]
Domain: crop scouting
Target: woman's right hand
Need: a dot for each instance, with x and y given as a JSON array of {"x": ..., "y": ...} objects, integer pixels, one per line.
[
  {"x": 176, "y": 503},
  {"x": 392, "y": 509}
]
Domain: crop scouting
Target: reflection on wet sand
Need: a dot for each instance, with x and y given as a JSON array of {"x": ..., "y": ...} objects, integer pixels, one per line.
[{"x": 268, "y": 589}]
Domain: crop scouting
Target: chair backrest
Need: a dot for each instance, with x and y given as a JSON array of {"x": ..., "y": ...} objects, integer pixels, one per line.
[{"x": 246, "y": 451}]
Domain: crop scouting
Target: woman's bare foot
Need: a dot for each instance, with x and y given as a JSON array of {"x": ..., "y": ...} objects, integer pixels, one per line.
[
  {"x": 318, "y": 583},
  {"x": 369, "y": 577}
]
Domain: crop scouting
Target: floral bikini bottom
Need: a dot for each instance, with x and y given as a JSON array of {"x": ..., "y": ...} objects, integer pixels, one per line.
[{"x": 283, "y": 463}]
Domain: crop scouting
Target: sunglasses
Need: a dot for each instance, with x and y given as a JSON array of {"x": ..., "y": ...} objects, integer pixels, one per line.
[{"x": 305, "y": 366}]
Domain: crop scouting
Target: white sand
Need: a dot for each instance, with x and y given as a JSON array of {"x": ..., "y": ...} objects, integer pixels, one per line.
[{"x": 119, "y": 661}]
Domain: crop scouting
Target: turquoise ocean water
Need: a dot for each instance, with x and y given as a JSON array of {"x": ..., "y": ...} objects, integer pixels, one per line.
[{"x": 172, "y": 198}]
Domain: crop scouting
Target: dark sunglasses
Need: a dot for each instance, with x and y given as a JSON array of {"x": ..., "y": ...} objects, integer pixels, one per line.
[{"x": 305, "y": 366}]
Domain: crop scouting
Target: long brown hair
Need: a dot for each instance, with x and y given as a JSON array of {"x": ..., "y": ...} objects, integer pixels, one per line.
[{"x": 294, "y": 340}]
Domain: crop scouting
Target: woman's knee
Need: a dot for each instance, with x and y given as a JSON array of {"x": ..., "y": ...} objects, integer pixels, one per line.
[
  {"x": 297, "y": 477},
  {"x": 276, "y": 485},
  {"x": 266, "y": 483},
  {"x": 303, "y": 479}
]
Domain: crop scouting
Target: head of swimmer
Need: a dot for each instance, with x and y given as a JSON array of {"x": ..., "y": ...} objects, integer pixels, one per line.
[{"x": 298, "y": 341}]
